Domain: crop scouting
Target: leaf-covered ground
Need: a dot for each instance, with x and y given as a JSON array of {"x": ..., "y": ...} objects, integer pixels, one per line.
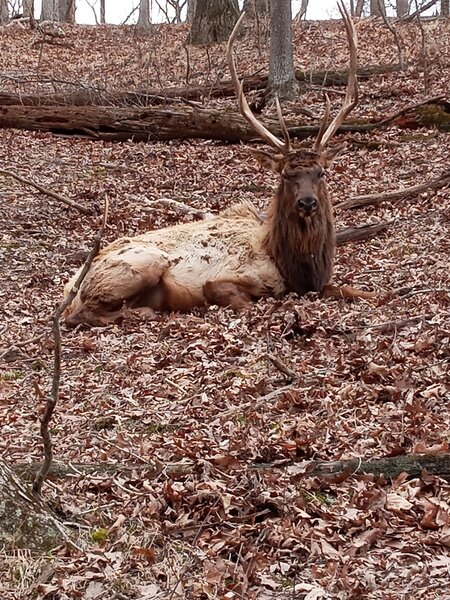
[{"x": 226, "y": 511}]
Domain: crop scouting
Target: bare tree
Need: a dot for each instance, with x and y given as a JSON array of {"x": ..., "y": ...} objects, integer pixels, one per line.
[
  {"x": 282, "y": 79},
  {"x": 445, "y": 8},
  {"x": 190, "y": 10},
  {"x": 302, "y": 12},
  {"x": 213, "y": 21},
  {"x": 402, "y": 8},
  {"x": 58, "y": 10},
  {"x": 66, "y": 11},
  {"x": 103, "y": 11},
  {"x": 359, "y": 8},
  {"x": 256, "y": 7},
  {"x": 28, "y": 8},
  {"x": 143, "y": 21},
  {"x": 377, "y": 9},
  {"x": 48, "y": 10},
  {"x": 4, "y": 12}
]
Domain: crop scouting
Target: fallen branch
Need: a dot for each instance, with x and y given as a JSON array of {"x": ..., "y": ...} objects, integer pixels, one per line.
[
  {"x": 375, "y": 199},
  {"x": 157, "y": 95},
  {"x": 47, "y": 192},
  {"x": 360, "y": 232},
  {"x": 411, "y": 108},
  {"x": 412, "y": 464},
  {"x": 53, "y": 398}
]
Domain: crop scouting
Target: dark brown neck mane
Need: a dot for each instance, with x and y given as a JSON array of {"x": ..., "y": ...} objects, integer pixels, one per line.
[{"x": 302, "y": 248}]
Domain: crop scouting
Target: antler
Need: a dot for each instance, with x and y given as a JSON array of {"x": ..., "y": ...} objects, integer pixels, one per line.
[
  {"x": 351, "y": 95},
  {"x": 283, "y": 146}
]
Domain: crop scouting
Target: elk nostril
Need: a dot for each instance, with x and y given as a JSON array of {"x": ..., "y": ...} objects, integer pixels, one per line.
[{"x": 307, "y": 203}]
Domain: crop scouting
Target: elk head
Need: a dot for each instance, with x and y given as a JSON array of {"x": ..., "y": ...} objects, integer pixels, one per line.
[{"x": 301, "y": 231}]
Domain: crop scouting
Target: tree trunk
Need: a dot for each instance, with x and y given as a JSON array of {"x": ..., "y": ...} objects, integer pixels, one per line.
[
  {"x": 402, "y": 8},
  {"x": 213, "y": 21},
  {"x": 49, "y": 10},
  {"x": 25, "y": 521},
  {"x": 253, "y": 8},
  {"x": 190, "y": 10},
  {"x": 27, "y": 7},
  {"x": 144, "y": 15},
  {"x": 66, "y": 11},
  {"x": 282, "y": 79},
  {"x": 377, "y": 8},
  {"x": 302, "y": 12},
  {"x": 4, "y": 12},
  {"x": 102, "y": 12},
  {"x": 445, "y": 8},
  {"x": 359, "y": 8}
]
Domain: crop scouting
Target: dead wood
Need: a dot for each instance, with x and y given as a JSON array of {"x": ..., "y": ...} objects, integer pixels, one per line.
[
  {"x": 375, "y": 199},
  {"x": 53, "y": 398},
  {"x": 419, "y": 11},
  {"x": 157, "y": 95},
  {"x": 412, "y": 464},
  {"x": 360, "y": 232},
  {"x": 47, "y": 192},
  {"x": 111, "y": 123}
]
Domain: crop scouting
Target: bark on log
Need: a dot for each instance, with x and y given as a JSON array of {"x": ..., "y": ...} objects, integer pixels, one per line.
[
  {"x": 112, "y": 123},
  {"x": 223, "y": 88},
  {"x": 412, "y": 464},
  {"x": 147, "y": 124},
  {"x": 391, "y": 467},
  {"x": 360, "y": 232},
  {"x": 25, "y": 521}
]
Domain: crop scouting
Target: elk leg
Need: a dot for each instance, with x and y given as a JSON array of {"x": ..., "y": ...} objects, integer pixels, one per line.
[
  {"x": 114, "y": 279},
  {"x": 228, "y": 292}
]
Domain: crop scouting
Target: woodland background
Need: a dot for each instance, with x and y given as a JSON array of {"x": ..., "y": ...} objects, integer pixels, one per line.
[{"x": 189, "y": 449}]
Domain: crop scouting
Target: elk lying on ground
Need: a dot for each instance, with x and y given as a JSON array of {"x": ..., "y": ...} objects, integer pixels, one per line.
[{"x": 235, "y": 257}]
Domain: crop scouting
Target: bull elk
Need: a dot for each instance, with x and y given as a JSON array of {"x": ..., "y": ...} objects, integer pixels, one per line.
[{"x": 236, "y": 257}]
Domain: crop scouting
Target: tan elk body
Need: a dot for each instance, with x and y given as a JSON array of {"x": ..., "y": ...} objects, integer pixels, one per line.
[{"x": 236, "y": 256}]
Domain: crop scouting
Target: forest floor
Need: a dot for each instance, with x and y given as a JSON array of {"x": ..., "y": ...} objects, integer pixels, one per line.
[{"x": 229, "y": 511}]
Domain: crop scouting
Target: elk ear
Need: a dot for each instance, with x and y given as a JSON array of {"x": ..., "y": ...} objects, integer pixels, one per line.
[
  {"x": 273, "y": 162},
  {"x": 328, "y": 156}
]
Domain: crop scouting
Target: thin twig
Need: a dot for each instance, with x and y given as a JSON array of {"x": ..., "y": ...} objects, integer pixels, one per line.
[
  {"x": 53, "y": 398},
  {"x": 46, "y": 191}
]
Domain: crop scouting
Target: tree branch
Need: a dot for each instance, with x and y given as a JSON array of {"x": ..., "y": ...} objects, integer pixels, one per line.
[
  {"x": 47, "y": 192},
  {"x": 53, "y": 398},
  {"x": 375, "y": 199}
]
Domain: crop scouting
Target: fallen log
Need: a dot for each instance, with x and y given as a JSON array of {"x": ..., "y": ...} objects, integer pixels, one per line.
[
  {"x": 391, "y": 467},
  {"x": 223, "y": 88},
  {"x": 360, "y": 232},
  {"x": 109, "y": 123}
]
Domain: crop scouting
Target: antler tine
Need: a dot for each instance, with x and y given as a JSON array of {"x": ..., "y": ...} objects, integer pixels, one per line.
[
  {"x": 351, "y": 95},
  {"x": 244, "y": 108},
  {"x": 284, "y": 129},
  {"x": 323, "y": 123}
]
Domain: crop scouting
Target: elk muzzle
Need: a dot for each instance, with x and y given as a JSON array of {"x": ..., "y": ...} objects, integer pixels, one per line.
[{"x": 307, "y": 205}]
